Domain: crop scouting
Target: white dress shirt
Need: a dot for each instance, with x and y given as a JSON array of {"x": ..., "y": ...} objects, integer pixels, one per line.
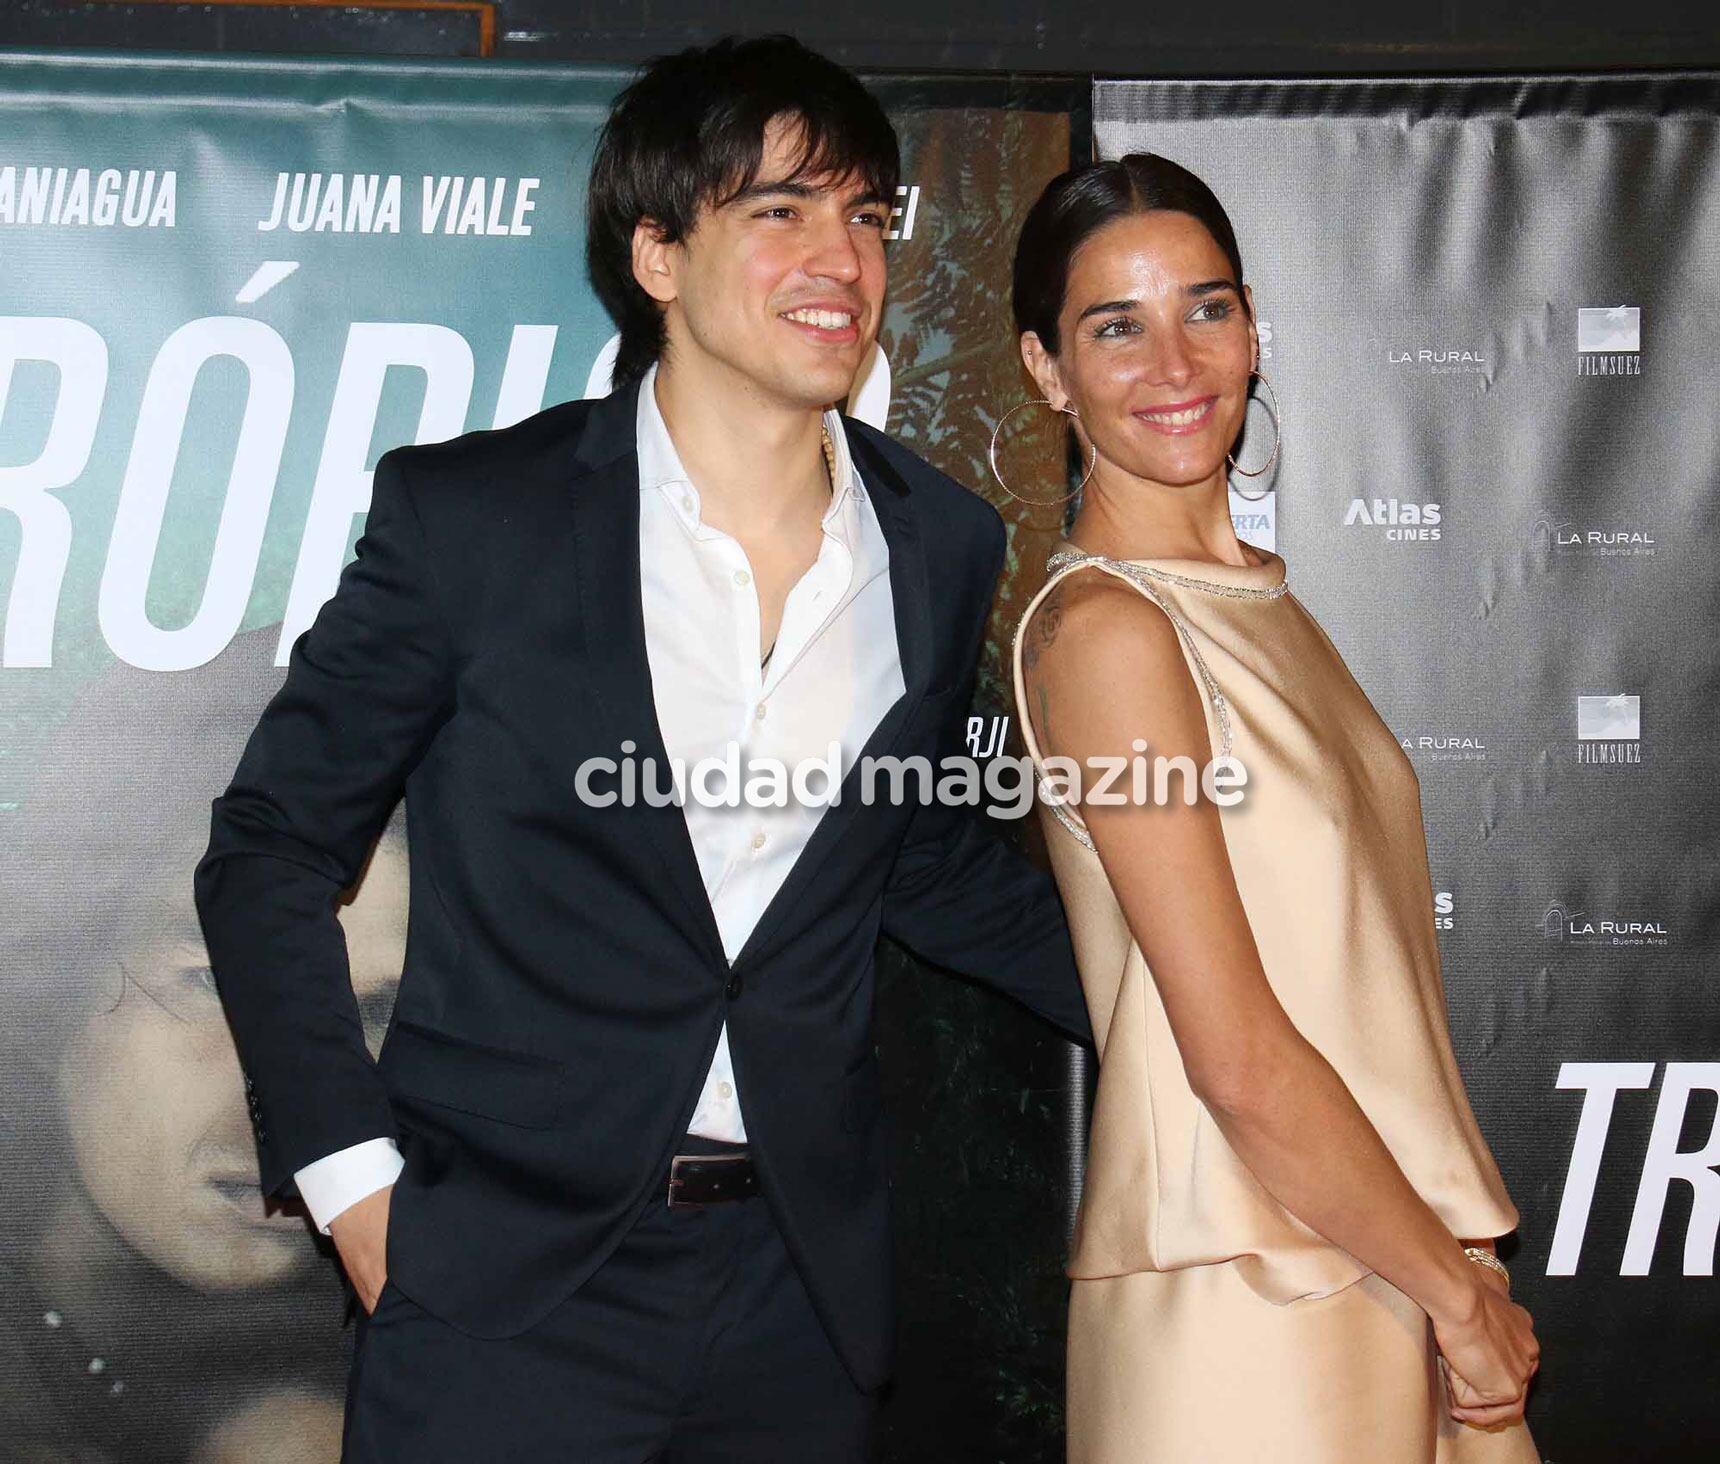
[{"x": 833, "y": 673}]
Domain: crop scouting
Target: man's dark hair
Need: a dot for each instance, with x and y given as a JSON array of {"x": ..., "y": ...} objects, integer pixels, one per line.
[{"x": 688, "y": 134}]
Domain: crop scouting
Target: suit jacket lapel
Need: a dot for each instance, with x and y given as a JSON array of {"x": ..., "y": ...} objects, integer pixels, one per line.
[
  {"x": 605, "y": 499},
  {"x": 909, "y": 590},
  {"x": 911, "y": 600}
]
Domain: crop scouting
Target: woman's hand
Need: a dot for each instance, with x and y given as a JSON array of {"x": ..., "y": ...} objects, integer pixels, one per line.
[{"x": 1487, "y": 1343}]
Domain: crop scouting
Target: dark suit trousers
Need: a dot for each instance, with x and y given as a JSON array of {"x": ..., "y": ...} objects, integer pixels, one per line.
[{"x": 695, "y": 1343}]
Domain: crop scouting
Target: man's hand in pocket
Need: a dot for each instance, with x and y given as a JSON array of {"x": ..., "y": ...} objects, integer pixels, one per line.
[{"x": 360, "y": 1234}]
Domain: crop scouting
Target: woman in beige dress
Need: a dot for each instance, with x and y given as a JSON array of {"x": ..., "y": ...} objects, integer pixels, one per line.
[{"x": 1285, "y": 1247}]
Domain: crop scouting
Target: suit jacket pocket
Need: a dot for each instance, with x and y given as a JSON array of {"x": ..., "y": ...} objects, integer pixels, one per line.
[{"x": 519, "y": 1088}]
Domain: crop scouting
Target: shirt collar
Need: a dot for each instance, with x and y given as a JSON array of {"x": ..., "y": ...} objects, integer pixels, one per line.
[{"x": 660, "y": 465}]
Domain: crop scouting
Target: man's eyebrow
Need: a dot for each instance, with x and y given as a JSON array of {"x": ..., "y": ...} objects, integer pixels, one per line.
[{"x": 794, "y": 188}]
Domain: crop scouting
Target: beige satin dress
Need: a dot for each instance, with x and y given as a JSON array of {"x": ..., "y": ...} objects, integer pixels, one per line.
[{"x": 1207, "y": 1325}]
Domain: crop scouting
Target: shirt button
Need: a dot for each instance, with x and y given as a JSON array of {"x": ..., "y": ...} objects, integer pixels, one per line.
[
  {"x": 725, "y": 1091},
  {"x": 733, "y": 989},
  {"x": 687, "y": 502},
  {"x": 758, "y": 841},
  {"x": 742, "y": 578},
  {"x": 758, "y": 712}
]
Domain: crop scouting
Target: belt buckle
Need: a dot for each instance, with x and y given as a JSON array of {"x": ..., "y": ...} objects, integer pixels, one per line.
[{"x": 676, "y": 1182}]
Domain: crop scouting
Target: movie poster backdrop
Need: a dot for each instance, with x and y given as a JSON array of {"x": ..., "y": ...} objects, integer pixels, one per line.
[{"x": 226, "y": 287}]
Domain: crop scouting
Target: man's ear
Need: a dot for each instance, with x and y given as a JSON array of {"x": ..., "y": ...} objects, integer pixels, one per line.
[
  {"x": 654, "y": 261},
  {"x": 1042, "y": 366}
]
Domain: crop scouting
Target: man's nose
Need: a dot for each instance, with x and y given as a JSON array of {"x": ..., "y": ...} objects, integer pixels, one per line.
[{"x": 834, "y": 255}]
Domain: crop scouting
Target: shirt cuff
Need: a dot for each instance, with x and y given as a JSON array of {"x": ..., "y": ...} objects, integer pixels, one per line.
[{"x": 334, "y": 1184}]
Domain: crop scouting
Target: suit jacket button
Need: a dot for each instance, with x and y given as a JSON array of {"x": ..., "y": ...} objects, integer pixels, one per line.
[{"x": 734, "y": 987}]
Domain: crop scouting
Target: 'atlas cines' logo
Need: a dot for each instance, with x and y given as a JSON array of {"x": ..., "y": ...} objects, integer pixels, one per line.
[{"x": 1398, "y": 522}]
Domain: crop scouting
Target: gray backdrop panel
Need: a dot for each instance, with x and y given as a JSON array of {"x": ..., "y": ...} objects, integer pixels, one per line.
[{"x": 1490, "y": 309}]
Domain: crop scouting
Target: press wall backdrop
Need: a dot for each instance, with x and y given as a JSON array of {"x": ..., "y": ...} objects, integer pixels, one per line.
[
  {"x": 1487, "y": 309},
  {"x": 227, "y": 287}
]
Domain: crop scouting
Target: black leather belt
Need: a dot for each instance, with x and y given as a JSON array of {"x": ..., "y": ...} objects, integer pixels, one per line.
[{"x": 709, "y": 1179}]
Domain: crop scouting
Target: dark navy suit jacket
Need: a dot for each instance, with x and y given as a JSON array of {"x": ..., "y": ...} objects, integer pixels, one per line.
[{"x": 564, "y": 981}]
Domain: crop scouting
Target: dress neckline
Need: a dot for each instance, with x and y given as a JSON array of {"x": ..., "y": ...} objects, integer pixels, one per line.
[{"x": 1267, "y": 580}]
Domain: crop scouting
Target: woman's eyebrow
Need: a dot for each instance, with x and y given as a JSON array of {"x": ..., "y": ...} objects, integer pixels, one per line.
[
  {"x": 1108, "y": 307},
  {"x": 1205, "y": 287}
]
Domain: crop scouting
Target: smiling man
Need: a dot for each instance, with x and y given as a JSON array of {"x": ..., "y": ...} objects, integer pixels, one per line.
[{"x": 616, "y": 1189}]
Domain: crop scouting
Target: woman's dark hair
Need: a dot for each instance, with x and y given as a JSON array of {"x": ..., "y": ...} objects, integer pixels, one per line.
[
  {"x": 1077, "y": 204},
  {"x": 689, "y": 134}
]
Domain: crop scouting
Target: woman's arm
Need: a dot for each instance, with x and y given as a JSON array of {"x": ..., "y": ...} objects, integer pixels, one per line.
[{"x": 1103, "y": 668}]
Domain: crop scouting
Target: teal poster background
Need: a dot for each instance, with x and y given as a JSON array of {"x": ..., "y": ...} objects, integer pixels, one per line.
[{"x": 435, "y": 258}]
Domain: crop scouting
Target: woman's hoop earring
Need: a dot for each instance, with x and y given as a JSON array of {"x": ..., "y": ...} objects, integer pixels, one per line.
[
  {"x": 1277, "y": 442},
  {"x": 991, "y": 457}
]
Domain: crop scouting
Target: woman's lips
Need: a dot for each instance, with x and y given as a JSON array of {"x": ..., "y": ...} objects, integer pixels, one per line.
[{"x": 1178, "y": 419}]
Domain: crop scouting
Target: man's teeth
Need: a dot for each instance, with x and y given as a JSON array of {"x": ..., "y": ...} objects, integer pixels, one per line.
[
  {"x": 1179, "y": 419},
  {"x": 824, "y": 319}
]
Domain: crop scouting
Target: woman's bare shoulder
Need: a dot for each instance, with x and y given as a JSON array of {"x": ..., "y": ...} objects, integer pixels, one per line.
[{"x": 1094, "y": 620}]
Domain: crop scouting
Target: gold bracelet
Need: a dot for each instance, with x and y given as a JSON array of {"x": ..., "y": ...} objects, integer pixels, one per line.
[{"x": 1488, "y": 1259}]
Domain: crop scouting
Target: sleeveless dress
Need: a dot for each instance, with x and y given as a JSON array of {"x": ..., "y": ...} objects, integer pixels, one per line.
[{"x": 1207, "y": 1325}]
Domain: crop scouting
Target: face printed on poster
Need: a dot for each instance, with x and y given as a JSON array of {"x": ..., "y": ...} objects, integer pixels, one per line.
[{"x": 141, "y": 1259}]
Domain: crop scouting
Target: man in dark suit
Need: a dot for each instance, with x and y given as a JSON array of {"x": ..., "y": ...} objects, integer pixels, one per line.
[{"x": 616, "y": 1189}]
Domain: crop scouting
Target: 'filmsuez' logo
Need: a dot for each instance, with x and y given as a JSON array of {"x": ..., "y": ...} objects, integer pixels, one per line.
[
  {"x": 1663, "y": 1163},
  {"x": 1609, "y": 728},
  {"x": 1609, "y": 340}
]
